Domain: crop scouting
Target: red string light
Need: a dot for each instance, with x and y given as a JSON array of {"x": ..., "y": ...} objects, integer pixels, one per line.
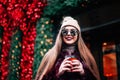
[
  {"x": 27, "y": 54},
  {"x": 5, "y": 50},
  {"x": 23, "y": 14}
]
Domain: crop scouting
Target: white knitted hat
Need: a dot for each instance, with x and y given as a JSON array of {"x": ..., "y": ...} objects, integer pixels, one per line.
[{"x": 70, "y": 21}]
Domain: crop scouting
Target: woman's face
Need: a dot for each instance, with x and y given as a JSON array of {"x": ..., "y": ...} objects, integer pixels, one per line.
[{"x": 69, "y": 34}]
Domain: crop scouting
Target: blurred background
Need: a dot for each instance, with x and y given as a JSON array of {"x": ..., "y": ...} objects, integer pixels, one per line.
[{"x": 28, "y": 30}]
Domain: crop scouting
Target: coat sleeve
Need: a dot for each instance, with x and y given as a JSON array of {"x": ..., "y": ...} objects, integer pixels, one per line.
[{"x": 88, "y": 74}]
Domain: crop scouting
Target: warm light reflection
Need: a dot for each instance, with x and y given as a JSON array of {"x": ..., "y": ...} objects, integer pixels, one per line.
[
  {"x": 109, "y": 61},
  {"x": 109, "y": 64},
  {"x": 104, "y": 44},
  {"x": 108, "y": 75}
]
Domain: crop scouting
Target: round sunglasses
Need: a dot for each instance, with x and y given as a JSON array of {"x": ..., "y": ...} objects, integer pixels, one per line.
[{"x": 72, "y": 32}]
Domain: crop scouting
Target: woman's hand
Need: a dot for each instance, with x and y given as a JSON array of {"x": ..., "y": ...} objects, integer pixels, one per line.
[
  {"x": 77, "y": 67},
  {"x": 65, "y": 66}
]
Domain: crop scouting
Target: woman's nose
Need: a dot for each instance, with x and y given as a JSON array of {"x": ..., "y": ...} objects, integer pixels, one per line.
[{"x": 69, "y": 33}]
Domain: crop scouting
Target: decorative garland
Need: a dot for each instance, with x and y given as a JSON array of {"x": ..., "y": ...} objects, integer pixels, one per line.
[
  {"x": 22, "y": 14},
  {"x": 27, "y": 54},
  {"x": 59, "y": 8},
  {"x": 5, "y": 50},
  {"x": 15, "y": 55},
  {"x": 44, "y": 41},
  {"x": 1, "y": 37}
]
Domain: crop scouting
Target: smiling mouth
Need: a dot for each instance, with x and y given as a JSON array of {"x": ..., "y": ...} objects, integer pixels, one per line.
[{"x": 68, "y": 38}]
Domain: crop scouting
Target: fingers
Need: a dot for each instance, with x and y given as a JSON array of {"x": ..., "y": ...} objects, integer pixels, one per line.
[
  {"x": 71, "y": 66},
  {"x": 66, "y": 69},
  {"x": 76, "y": 63},
  {"x": 77, "y": 67},
  {"x": 66, "y": 62},
  {"x": 65, "y": 66}
]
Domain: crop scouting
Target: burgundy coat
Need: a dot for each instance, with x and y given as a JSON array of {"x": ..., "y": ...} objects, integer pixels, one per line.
[{"x": 68, "y": 75}]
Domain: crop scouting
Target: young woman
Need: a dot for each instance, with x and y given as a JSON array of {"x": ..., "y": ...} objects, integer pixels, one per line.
[{"x": 69, "y": 58}]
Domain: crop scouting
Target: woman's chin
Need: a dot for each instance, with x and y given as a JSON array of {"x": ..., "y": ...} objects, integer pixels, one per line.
[{"x": 69, "y": 43}]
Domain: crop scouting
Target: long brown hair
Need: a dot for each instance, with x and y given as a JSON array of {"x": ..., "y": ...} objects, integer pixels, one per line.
[{"x": 50, "y": 57}]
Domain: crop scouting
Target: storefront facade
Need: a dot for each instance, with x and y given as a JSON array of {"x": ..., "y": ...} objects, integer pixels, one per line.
[{"x": 102, "y": 37}]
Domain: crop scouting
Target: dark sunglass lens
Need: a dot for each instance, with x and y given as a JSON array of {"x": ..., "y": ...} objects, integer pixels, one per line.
[
  {"x": 73, "y": 32},
  {"x": 64, "y": 32}
]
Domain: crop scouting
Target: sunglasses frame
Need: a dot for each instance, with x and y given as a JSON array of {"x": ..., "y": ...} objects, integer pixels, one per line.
[{"x": 73, "y": 32}]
